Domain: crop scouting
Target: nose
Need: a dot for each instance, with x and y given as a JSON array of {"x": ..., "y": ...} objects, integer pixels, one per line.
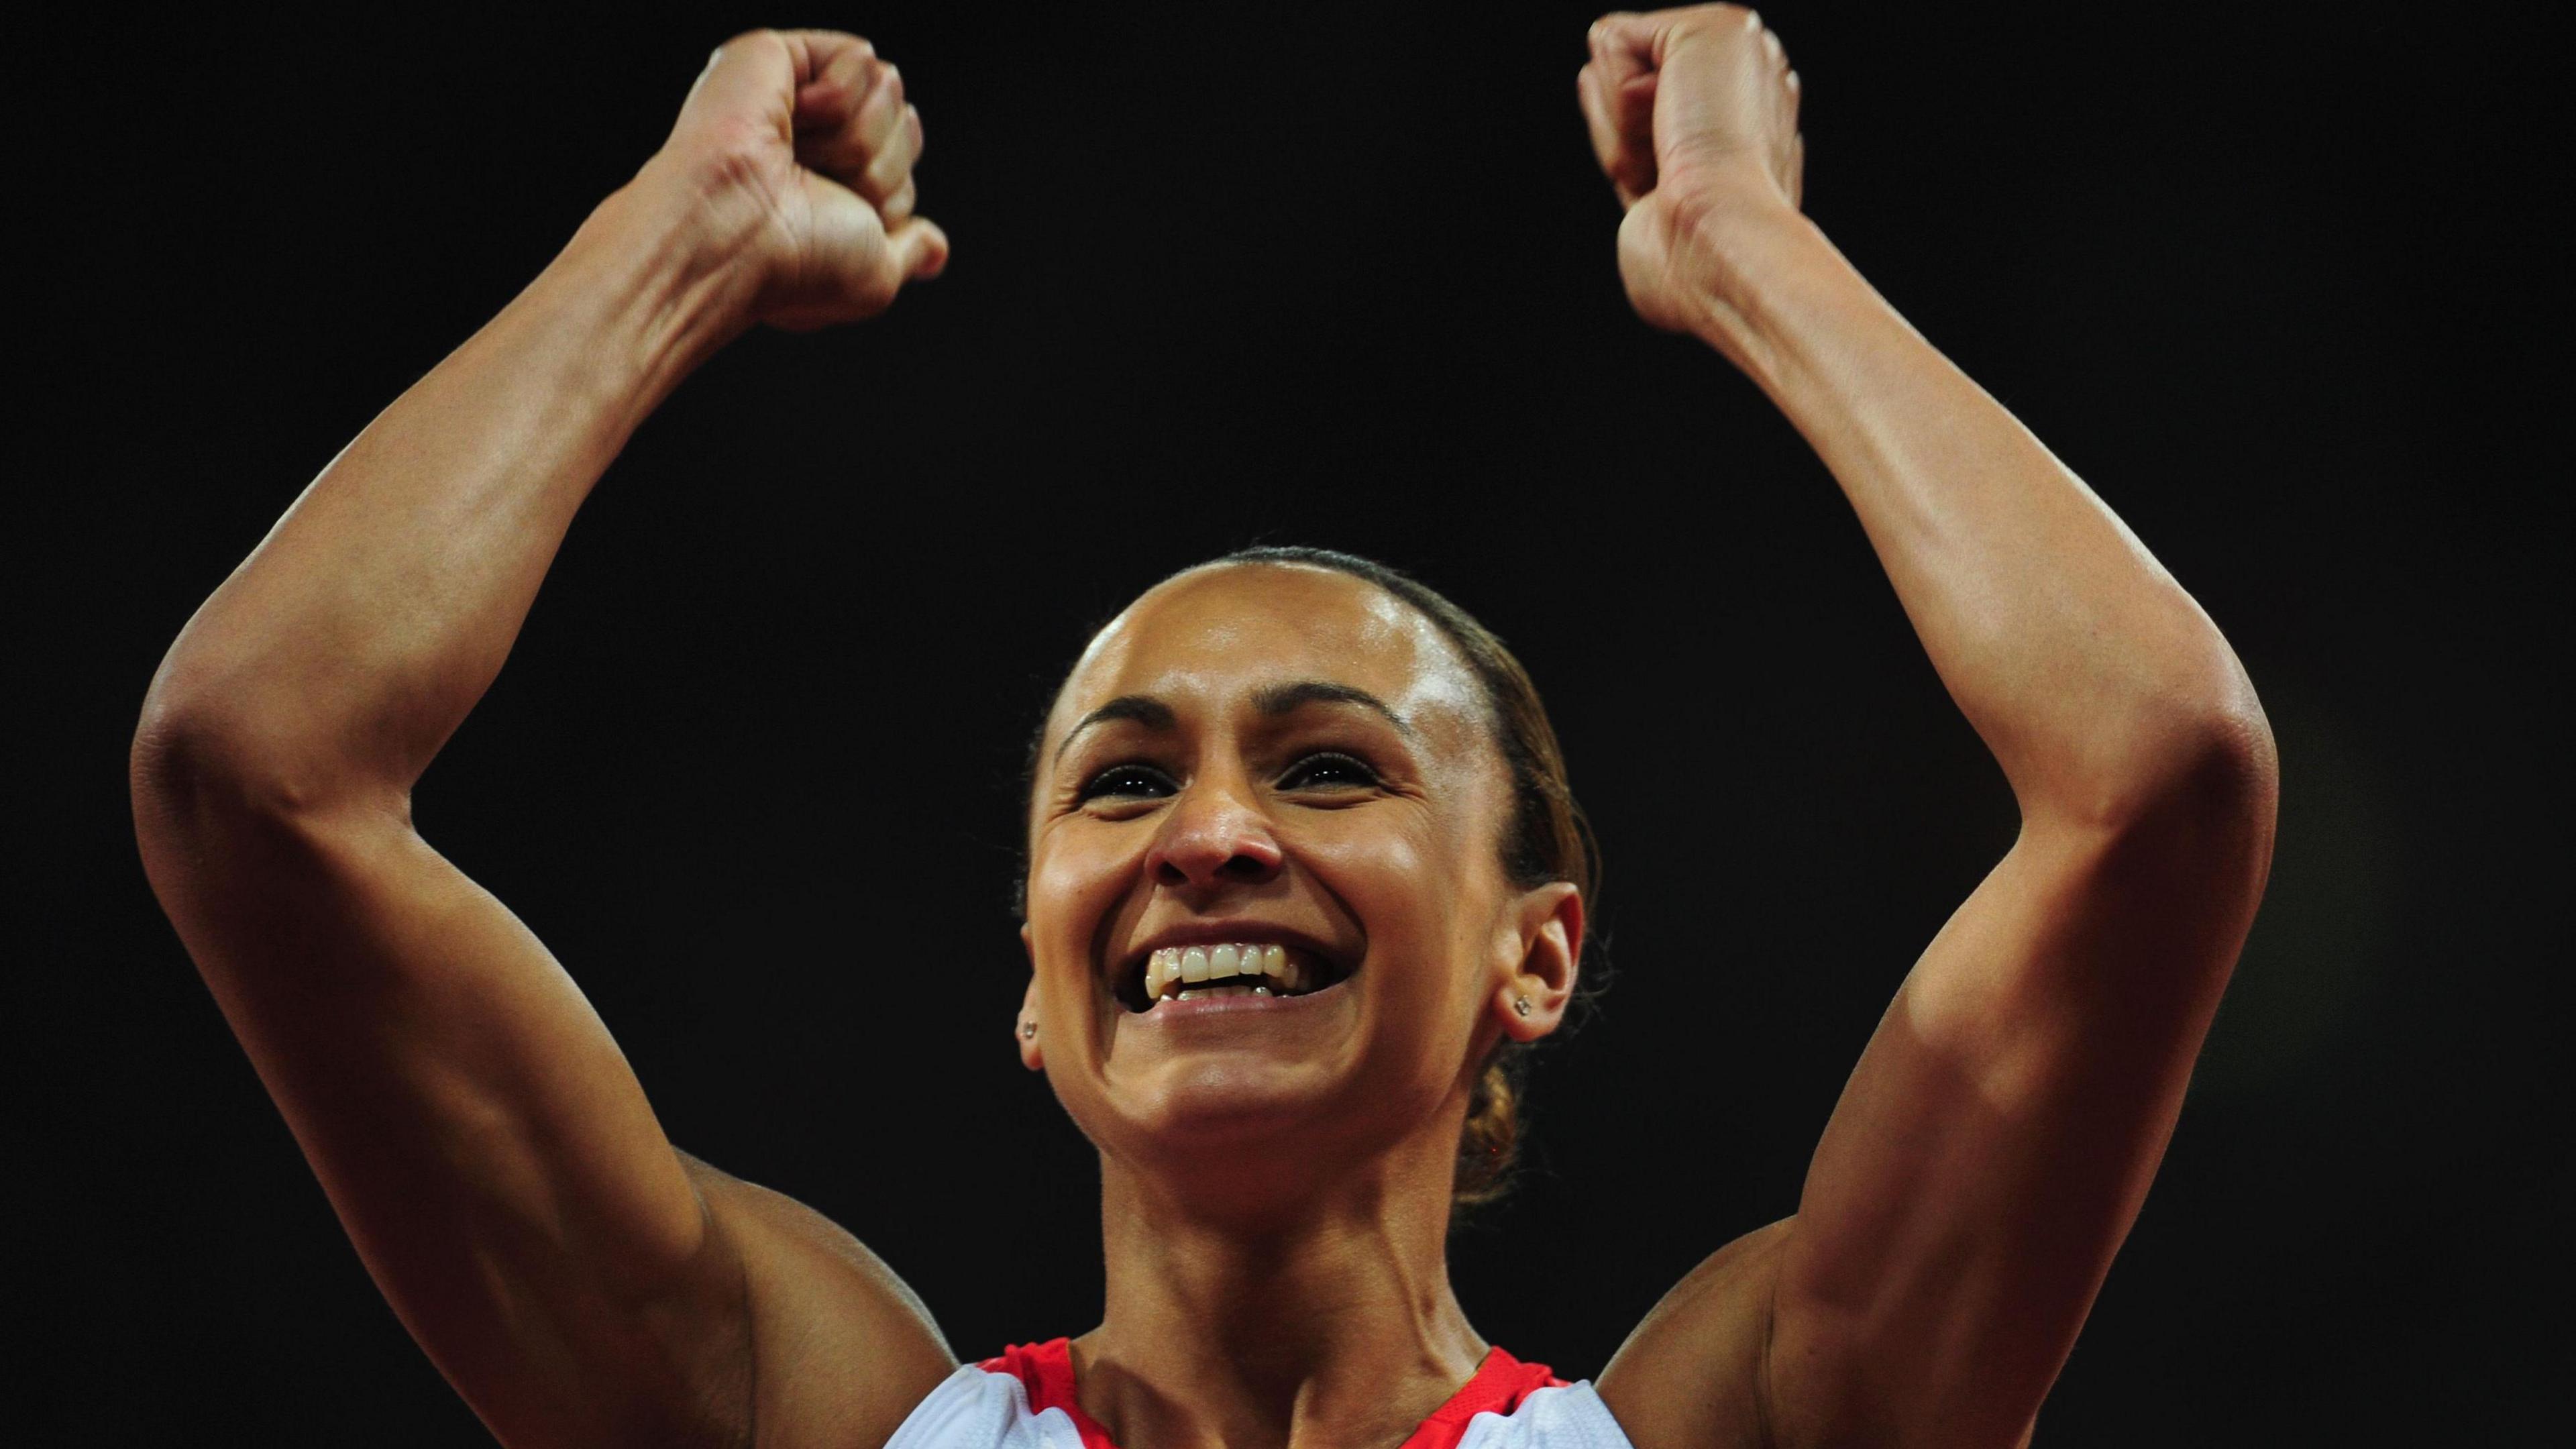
[{"x": 1213, "y": 836}]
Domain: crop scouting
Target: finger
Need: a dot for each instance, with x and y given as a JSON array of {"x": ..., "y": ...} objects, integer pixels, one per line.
[
  {"x": 883, "y": 110},
  {"x": 877, "y": 128},
  {"x": 1621, "y": 104},
  {"x": 920, "y": 249},
  {"x": 840, "y": 132},
  {"x": 1625, "y": 44},
  {"x": 1606, "y": 145},
  {"x": 1798, "y": 171},
  {"x": 1625, "y": 47},
  {"x": 1792, "y": 141},
  {"x": 832, "y": 84},
  {"x": 892, "y": 166},
  {"x": 898, "y": 206},
  {"x": 1784, "y": 108},
  {"x": 828, "y": 58},
  {"x": 1635, "y": 113}
]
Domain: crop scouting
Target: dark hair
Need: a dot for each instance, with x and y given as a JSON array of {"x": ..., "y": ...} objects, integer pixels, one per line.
[{"x": 1545, "y": 838}]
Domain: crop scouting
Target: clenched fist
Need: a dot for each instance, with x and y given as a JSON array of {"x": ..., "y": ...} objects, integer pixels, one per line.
[
  {"x": 1692, "y": 112},
  {"x": 797, "y": 148}
]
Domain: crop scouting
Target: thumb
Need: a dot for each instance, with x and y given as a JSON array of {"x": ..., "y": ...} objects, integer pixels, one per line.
[{"x": 920, "y": 248}]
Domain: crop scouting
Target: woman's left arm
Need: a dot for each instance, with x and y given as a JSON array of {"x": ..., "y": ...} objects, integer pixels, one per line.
[{"x": 1994, "y": 1143}]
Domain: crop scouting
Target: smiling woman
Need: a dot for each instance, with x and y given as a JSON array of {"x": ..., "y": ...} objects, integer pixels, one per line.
[
  {"x": 1541, "y": 838},
  {"x": 1304, "y": 876}
]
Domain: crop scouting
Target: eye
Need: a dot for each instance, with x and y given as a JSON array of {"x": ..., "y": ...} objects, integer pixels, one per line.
[
  {"x": 1328, "y": 770},
  {"x": 1127, "y": 782}
]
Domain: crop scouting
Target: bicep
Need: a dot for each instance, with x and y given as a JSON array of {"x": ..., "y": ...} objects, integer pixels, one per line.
[
  {"x": 1986, "y": 1159},
  {"x": 1994, "y": 1143},
  {"x": 477, "y": 1130}
]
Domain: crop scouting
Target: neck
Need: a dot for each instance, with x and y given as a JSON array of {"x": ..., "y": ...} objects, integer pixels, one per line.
[{"x": 1226, "y": 1324}]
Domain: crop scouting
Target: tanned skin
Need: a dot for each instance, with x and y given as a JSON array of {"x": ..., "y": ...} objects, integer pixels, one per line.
[{"x": 1275, "y": 1200}]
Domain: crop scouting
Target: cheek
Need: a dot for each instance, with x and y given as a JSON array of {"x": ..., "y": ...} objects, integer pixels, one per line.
[
  {"x": 1079, "y": 859},
  {"x": 1380, "y": 871},
  {"x": 1405, "y": 888},
  {"x": 1075, "y": 879}
]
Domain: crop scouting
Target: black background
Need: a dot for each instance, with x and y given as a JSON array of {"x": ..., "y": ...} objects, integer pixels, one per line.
[{"x": 1344, "y": 278}]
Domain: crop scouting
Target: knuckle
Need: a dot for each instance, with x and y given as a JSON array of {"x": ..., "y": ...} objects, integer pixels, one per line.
[{"x": 735, "y": 157}]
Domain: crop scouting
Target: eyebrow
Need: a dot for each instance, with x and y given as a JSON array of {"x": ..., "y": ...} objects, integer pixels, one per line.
[
  {"x": 1281, "y": 699},
  {"x": 1272, "y": 701}
]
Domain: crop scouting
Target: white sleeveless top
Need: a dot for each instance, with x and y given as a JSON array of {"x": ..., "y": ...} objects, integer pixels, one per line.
[{"x": 1024, "y": 1400}]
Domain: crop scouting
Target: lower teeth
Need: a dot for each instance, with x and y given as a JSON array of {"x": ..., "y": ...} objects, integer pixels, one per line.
[{"x": 1195, "y": 992}]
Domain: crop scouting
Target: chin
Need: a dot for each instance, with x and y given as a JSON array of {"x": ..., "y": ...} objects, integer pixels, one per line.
[{"x": 1218, "y": 1099}]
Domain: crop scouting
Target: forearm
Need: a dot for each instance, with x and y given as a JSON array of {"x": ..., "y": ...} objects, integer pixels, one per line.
[
  {"x": 1995, "y": 1141},
  {"x": 2088, "y": 671},
  {"x": 349, "y": 645}
]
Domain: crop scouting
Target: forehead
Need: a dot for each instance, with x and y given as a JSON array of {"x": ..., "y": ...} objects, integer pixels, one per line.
[{"x": 1214, "y": 635}]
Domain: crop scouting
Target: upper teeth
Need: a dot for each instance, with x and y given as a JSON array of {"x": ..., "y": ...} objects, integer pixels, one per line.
[{"x": 1173, "y": 967}]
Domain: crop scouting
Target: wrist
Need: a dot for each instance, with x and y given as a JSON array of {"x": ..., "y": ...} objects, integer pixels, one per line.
[
  {"x": 671, "y": 265},
  {"x": 1745, "y": 247}
]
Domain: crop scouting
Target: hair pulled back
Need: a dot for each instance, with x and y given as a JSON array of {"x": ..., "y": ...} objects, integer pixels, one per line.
[{"x": 1545, "y": 837}]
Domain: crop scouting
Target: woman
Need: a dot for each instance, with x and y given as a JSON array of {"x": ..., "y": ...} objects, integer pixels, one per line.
[{"x": 1302, "y": 768}]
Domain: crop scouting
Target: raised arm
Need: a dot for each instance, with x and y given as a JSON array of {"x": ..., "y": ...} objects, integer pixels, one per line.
[
  {"x": 481, "y": 1137},
  {"x": 2003, "y": 1124}
]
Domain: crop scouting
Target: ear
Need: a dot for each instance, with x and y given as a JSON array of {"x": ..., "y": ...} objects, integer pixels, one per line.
[
  {"x": 1549, "y": 939},
  {"x": 1032, "y": 1055}
]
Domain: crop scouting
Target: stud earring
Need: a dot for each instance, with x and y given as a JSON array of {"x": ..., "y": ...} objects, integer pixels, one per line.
[
  {"x": 1029, "y": 1029},
  {"x": 1521, "y": 1005}
]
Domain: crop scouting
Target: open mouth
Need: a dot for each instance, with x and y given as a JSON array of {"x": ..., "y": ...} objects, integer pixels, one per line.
[{"x": 1231, "y": 968}]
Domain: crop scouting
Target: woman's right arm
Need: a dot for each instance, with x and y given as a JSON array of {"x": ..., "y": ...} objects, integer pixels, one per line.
[{"x": 480, "y": 1135}]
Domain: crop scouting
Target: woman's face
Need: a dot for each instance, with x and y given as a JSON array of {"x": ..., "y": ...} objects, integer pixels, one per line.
[{"x": 1277, "y": 755}]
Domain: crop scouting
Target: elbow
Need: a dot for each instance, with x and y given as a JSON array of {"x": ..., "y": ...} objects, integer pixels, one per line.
[
  {"x": 2219, "y": 809},
  {"x": 186, "y": 771},
  {"x": 2196, "y": 764},
  {"x": 2218, "y": 763},
  {"x": 202, "y": 763},
  {"x": 2244, "y": 757}
]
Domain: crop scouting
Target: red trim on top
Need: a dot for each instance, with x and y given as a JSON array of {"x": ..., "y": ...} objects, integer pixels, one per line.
[
  {"x": 1500, "y": 1383},
  {"x": 1045, "y": 1370}
]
